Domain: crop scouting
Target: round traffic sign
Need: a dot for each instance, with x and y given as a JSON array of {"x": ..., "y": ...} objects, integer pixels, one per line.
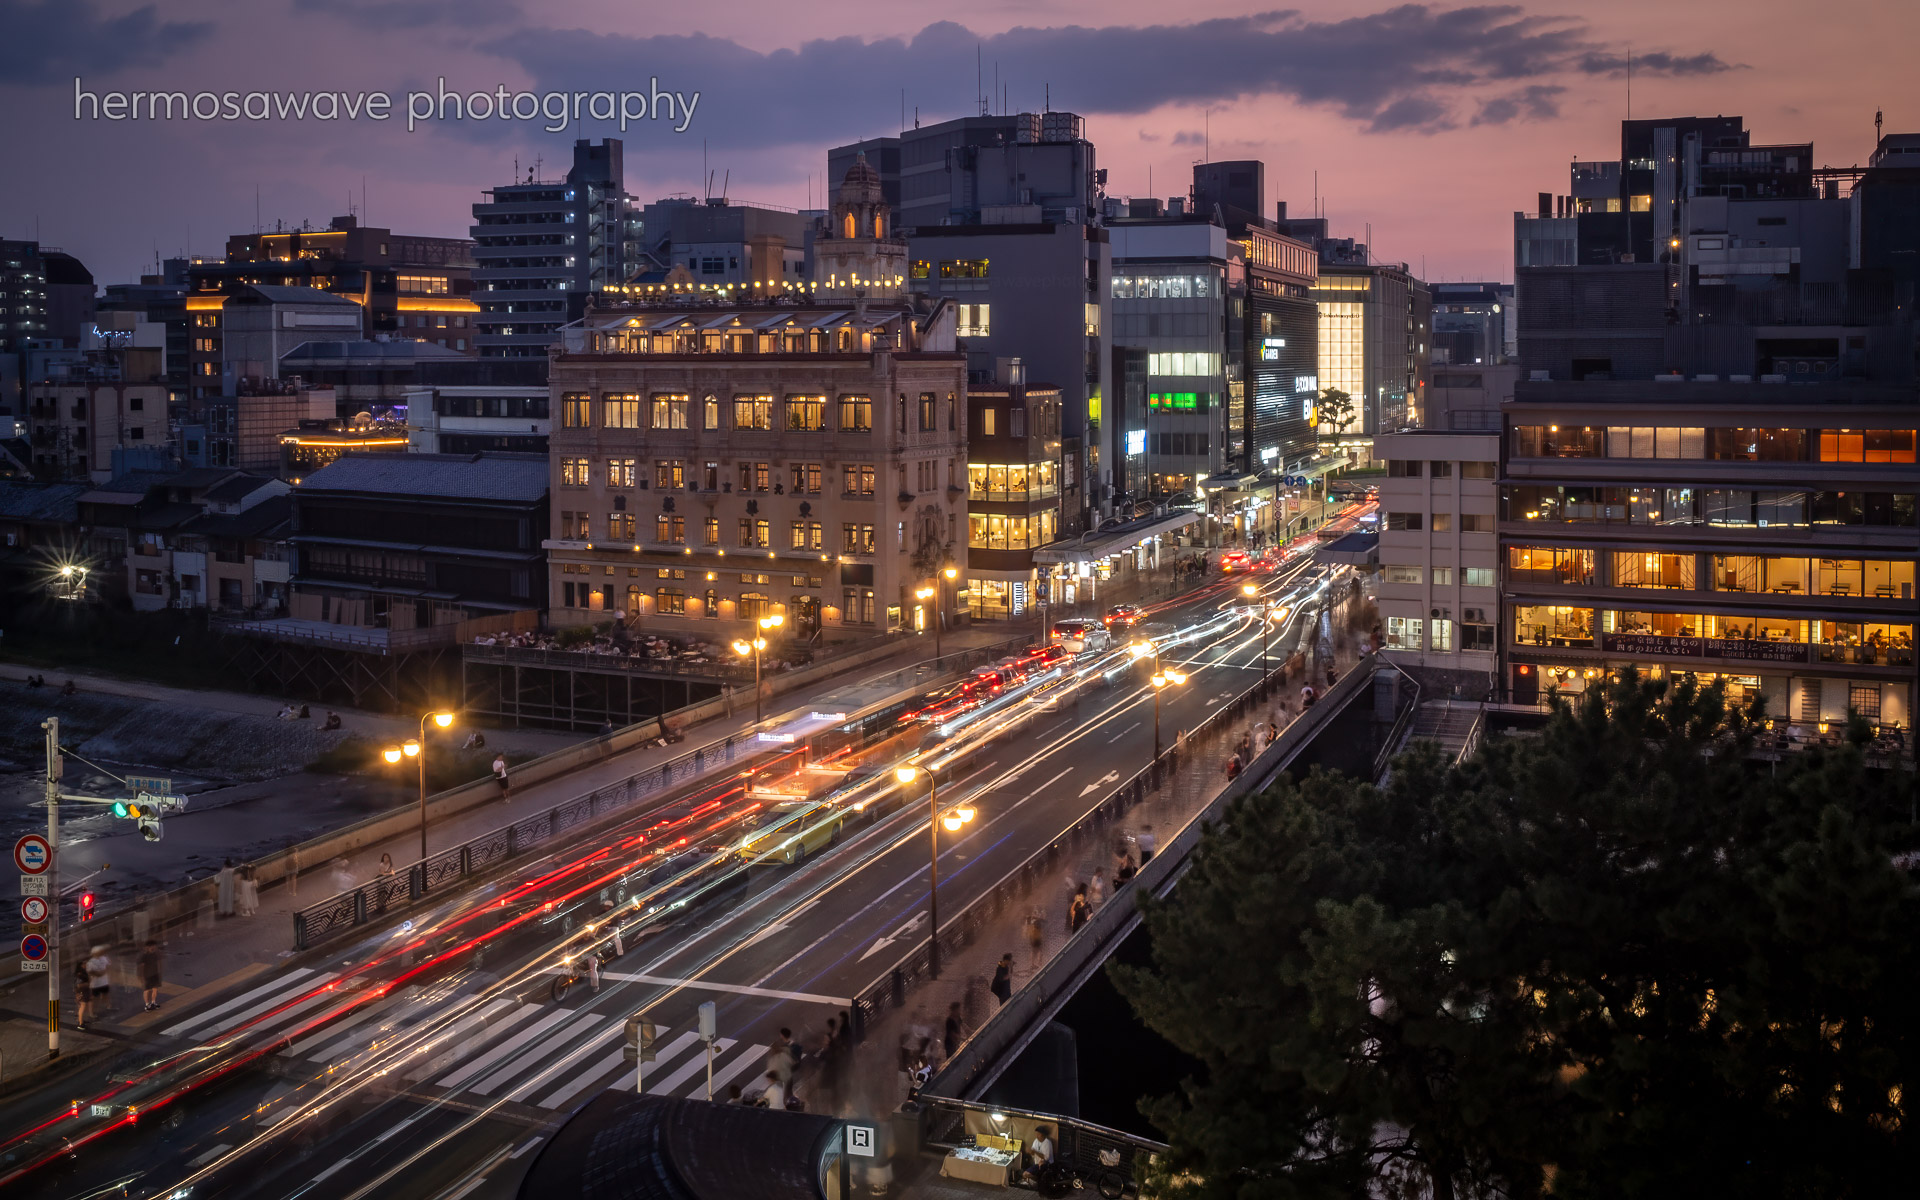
[
  {"x": 33, "y": 947},
  {"x": 33, "y": 910},
  {"x": 32, "y": 854}
]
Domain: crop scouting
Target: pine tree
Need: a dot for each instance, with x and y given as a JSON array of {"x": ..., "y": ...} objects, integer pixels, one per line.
[{"x": 1623, "y": 957}]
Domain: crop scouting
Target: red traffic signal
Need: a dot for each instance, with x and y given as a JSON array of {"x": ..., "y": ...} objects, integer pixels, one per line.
[{"x": 86, "y": 906}]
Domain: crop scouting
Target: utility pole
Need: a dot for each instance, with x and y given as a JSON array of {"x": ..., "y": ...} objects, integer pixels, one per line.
[{"x": 54, "y": 770}]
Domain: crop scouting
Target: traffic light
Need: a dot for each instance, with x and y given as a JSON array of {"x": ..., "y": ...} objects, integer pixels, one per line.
[
  {"x": 86, "y": 906},
  {"x": 150, "y": 827}
]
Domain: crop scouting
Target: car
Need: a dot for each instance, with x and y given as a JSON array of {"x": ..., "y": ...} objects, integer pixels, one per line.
[
  {"x": 1236, "y": 560},
  {"x": 1123, "y": 616},
  {"x": 1079, "y": 635}
]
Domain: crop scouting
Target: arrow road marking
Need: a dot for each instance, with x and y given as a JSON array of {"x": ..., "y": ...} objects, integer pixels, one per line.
[
  {"x": 917, "y": 920},
  {"x": 1104, "y": 780}
]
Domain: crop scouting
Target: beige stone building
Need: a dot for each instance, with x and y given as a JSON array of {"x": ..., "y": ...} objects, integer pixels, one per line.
[{"x": 719, "y": 457}]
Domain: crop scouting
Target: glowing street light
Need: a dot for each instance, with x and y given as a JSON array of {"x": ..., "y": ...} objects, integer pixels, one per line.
[
  {"x": 753, "y": 648},
  {"x": 954, "y": 820},
  {"x": 1160, "y": 681},
  {"x": 415, "y": 748}
]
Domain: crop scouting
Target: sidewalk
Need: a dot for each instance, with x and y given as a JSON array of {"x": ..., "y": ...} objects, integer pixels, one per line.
[
  {"x": 875, "y": 1087},
  {"x": 213, "y": 953}
]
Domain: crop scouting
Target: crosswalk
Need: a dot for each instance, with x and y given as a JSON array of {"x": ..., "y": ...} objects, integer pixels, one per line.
[{"x": 546, "y": 1055}]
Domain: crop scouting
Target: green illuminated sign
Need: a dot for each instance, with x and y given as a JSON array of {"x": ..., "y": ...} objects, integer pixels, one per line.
[{"x": 1189, "y": 401}]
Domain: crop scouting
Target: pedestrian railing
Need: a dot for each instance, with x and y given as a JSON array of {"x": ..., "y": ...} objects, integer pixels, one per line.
[
  {"x": 1390, "y": 745},
  {"x": 383, "y": 894},
  {"x": 898, "y": 982}
]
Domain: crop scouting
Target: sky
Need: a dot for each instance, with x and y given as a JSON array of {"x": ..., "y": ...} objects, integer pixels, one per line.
[{"x": 1430, "y": 124}]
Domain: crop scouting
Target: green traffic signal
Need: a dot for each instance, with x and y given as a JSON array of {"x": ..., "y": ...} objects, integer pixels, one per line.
[{"x": 119, "y": 808}]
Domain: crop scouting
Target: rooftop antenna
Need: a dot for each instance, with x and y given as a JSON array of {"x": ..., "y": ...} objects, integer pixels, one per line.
[
  {"x": 1629, "y": 83},
  {"x": 704, "y": 170},
  {"x": 1206, "y": 135},
  {"x": 997, "y": 99},
  {"x": 916, "y": 116},
  {"x": 724, "y": 181},
  {"x": 979, "y": 81},
  {"x": 363, "y": 199},
  {"x": 1878, "y": 116},
  {"x": 1046, "y": 104}
]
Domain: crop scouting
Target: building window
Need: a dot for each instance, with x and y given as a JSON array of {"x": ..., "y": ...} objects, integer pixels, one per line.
[
  {"x": 710, "y": 606},
  {"x": 1476, "y": 523},
  {"x": 573, "y": 526},
  {"x": 1443, "y": 576},
  {"x": 1400, "y": 573},
  {"x": 974, "y": 320},
  {"x": 710, "y": 413},
  {"x": 1406, "y": 521},
  {"x": 620, "y": 527},
  {"x": 858, "y": 609},
  {"x": 574, "y": 472},
  {"x": 805, "y": 479},
  {"x": 1552, "y": 625},
  {"x": 806, "y": 413},
  {"x": 620, "y": 412},
  {"x": 987, "y": 423},
  {"x": 1476, "y": 577},
  {"x": 859, "y": 479},
  {"x": 670, "y": 529},
  {"x": 1403, "y": 468},
  {"x": 753, "y": 412},
  {"x": 1636, "y": 569},
  {"x": 1404, "y": 633},
  {"x": 1866, "y": 445},
  {"x": 1865, "y": 700},
  {"x": 620, "y": 472},
  {"x": 669, "y": 474},
  {"x": 1442, "y": 522},
  {"x": 576, "y": 412},
  {"x": 927, "y": 414},
  {"x": 1540, "y": 564},
  {"x": 713, "y": 531},
  {"x": 669, "y": 412},
  {"x": 808, "y": 535},
  {"x": 964, "y": 268},
  {"x": 669, "y": 602},
  {"x": 1442, "y": 634},
  {"x": 754, "y": 605},
  {"x": 756, "y": 476},
  {"x": 856, "y": 414},
  {"x": 856, "y": 538},
  {"x": 1480, "y": 470}
]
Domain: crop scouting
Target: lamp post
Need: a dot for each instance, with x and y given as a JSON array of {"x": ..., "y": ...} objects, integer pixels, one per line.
[
  {"x": 906, "y": 773},
  {"x": 754, "y": 647},
  {"x": 923, "y": 595},
  {"x": 1266, "y": 619},
  {"x": 1160, "y": 680},
  {"x": 415, "y": 748}
]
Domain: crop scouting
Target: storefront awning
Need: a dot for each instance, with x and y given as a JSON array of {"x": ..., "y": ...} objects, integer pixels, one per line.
[{"x": 1118, "y": 539}]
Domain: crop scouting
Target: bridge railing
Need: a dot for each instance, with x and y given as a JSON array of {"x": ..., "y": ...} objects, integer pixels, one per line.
[{"x": 1011, "y": 1026}]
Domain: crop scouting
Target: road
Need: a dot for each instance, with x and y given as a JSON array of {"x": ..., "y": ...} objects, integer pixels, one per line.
[{"x": 431, "y": 1057}]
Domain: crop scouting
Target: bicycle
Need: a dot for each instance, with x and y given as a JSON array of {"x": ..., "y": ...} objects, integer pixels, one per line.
[{"x": 573, "y": 972}]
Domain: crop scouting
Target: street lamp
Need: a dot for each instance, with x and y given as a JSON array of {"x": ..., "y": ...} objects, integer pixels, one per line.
[
  {"x": 1160, "y": 680},
  {"x": 923, "y": 595},
  {"x": 959, "y": 816},
  {"x": 754, "y": 647},
  {"x": 1266, "y": 619},
  {"x": 414, "y": 748}
]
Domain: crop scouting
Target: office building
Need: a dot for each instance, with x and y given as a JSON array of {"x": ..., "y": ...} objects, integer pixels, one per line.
[
  {"x": 1709, "y": 461},
  {"x": 722, "y": 242},
  {"x": 490, "y": 405},
  {"x": 1439, "y": 583},
  {"x": 1375, "y": 344},
  {"x": 542, "y": 247},
  {"x": 1473, "y": 323},
  {"x": 402, "y": 286},
  {"x": 98, "y": 399},
  {"x": 1016, "y": 464},
  {"x": 716, "y": 461},
  {"x": 161, "y": 298}
]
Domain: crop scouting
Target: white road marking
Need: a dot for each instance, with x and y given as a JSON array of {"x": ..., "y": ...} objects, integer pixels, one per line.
[
  {"x": 736, "y": 989},
  {"x": 284, "y": 983}
]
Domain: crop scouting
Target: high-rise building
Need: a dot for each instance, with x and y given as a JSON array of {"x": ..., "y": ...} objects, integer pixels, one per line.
[
  {"x": 725, "y": 242},
  {"x": 1375, "y": 345},
  {"x": 1472, "y": 323},
  {"x": 543, "y": 247}
]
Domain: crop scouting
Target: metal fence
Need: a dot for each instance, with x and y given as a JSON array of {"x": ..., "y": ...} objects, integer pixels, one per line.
[
  {"x": 384, "y": 894},
  {"x": 898, "y": 982}
]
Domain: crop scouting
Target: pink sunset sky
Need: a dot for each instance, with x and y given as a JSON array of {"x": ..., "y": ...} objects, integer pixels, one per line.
[{"x": 1431, "y": 123}]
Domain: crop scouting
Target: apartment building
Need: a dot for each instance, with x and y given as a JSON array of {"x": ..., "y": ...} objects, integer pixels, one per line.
[
  {"x": 1439, "y": 587},
  {"x": 714, "y": 462},
  {"x": 1019, "y": 481}
]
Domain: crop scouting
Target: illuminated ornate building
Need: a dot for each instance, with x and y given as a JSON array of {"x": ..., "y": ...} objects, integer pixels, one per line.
[{"x": 715, "y": 461}]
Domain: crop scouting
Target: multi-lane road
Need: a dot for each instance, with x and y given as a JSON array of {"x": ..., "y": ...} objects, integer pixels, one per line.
[{"x": 432, "y": 1056}]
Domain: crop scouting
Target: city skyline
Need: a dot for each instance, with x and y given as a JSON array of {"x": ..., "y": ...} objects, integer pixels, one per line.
[{"x": 1480, "y": 98}]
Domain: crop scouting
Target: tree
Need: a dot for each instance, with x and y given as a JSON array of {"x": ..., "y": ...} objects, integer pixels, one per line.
[
  {"x": 1336, "y": 409},
  {"x": 1622, "y": 958}
]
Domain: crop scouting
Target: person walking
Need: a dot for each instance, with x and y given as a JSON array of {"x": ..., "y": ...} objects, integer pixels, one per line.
[
  {"x": 775, "y": 1093},
  {"x": 1096, "y": 892},
  {"x": 223, "y": 901},
  {"x": 1146, "y": 844},
  {"x": 82, "y": 994},
  {"x": 247, "y": 892},
  {"x": 1036, "y": 938},
  {"x": 1077, "y": 911},
  {"x": 593, "y": 971},
  {"x": 955, "y": 1031},
  {"x": 1124, "y": 872},
  {"x": 386, "y": 864},
  {"x": 150, "y": 976},
  {"x": 1002, "y": 985},
  {"x": 500, "y": 773},
  {"x": 100, "y": 980}
]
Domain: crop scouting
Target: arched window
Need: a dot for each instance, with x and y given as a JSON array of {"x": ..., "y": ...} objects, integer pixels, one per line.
[
  {"x": 712, "y": 609},
  {"x": 633, "y": 600},
  {"x": 876, "y": 226},
  {"x": 753, "y": 606},
  {"x": 849, "y": 226}
]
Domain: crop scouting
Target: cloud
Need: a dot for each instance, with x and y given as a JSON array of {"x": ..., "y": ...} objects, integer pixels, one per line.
[
  {"x": 1657, "y": 63},
  {"x": 52, "y": 40},
  {"x": 1189, "y": 137},
  {"x": 1537, "y": 102},
  {"x": 414, "y": 14},
  {"x": 1410, "y": 68}
]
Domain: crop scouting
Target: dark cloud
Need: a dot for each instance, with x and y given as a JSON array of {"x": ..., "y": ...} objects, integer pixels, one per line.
[
  {"x": 1656, "y": 63},
  {"x": 1537, "y": 102},
  {"x": 52, "y": 40},
  {"x": 415, "y": 14},
  {"x": 1189, "y": 137},
  {"x": 1408, "y": 68}
]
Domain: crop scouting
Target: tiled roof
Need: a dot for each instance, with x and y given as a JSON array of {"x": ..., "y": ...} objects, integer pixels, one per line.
[
  {"x": 41, "y": 501},
  {"x": 510, "y": 477},
  {"x": 263, "y": 518}
]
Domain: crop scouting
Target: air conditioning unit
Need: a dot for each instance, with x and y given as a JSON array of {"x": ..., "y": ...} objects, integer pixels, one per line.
[
  {"x": 1474, "y": 616},
  {"x": 1440, "y": 614}
]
